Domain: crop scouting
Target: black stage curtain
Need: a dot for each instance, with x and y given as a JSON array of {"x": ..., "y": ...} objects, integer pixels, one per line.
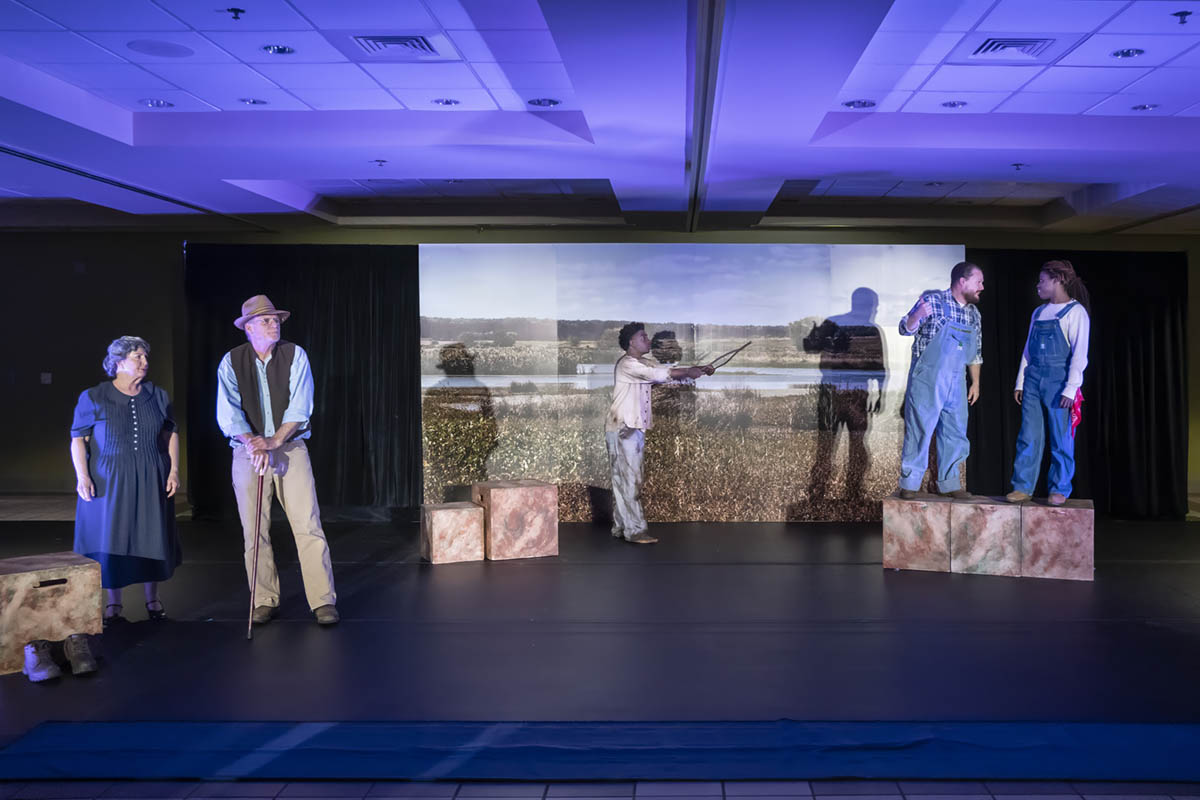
[
  {"x": 355, "y": 311},
  {"x": 1131, "y": 448}
]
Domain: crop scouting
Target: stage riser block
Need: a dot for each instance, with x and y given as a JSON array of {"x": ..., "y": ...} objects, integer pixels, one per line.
[
  {"x": 916, "y": 534},
  {"x": 985, "y": 538},
  {"x": 521, "y": 518},
  {"x": 50, "y": 597},
  {"x": 1058, "y": 541},
  {"x": 452, "y": 532}
]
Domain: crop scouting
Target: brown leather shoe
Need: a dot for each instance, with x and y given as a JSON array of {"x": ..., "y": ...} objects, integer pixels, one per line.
[
  {"x": 262, "y": 614},
  {"x": 327, "y": 615},
  {"x": 79, "y": 654},
  {"x": 641, "y": 538},
  {"x": 1016, "y": 497},
  {"x": 1056, "y": 499},
  {"x": 907, "y": 494},
  {"x": 958, "y": 494}
]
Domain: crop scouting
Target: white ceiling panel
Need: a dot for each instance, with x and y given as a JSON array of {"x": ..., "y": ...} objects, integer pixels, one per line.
[
  {"x": 934, "y": 15},
  {"x": 450, "y": 14},
  {"x": 1153, "y": 16},
  {"x": 504, "y": 14},
  {"x": 45, "y": 47},
  {"x": 506, "y": 45},
  {"x": 15, "y": 17},
  {"x": 372, "y": 16},
  {"x": 348, "y": 99},
  {"x": 260, "y": 15},
  {"x": 1189, "y": 59},
  {"x": 518, "y": 99},
  {"x": 205, "y": 79},
  {"x": 468, "y": 99},
  {"x": 976, "y": 102},
  {"x": 106, "y": 76},
  {"x": 951, "y": 78},
  {"x": 860, "y": 187},
  {"x": 1168, "y": 82},
  {"x": 1190, "y": 111},
  {"x": 887, "y": 77},
  {"x": 1122, "y": 105},
  {"x": 1047, "y": 103},
  {"x": 273, "y": 100},
  {"x": 318, "y": 76},
  {"x": 887, "y": 101},
  {"x": 991, "y": 189},
  {"x": 1097, "y": 50},
  {"x": 424, "y": 76},
  {"x": 1068, "y": 16},
  {"x": 108, "y": 15},
  {"x": 1085, "y": 79},
  {"x": 132, "y": 99},
  {"x": 310, "y": 46},
  {"x": 928, "y": 189},
  {"x": 909, "y": 48},
  {"x": 141, "y": 47},
  {"x": 519, "y": 76}
]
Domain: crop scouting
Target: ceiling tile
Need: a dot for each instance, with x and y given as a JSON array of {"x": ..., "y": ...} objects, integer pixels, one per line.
[
  {"x": 1154, "y": 16},
  {"x": 887, "y": 77},
  {"x": 504, "y": 14},
  {"x": 318, "y": 76},
  {"x": 506, "y": 45},
  {"x": 310, "y": 46},
  {"x": 260, "y": 15},
  {"x": 976, "y": 102},
  {"x": 909, "y": 48},
  {"x": 450, "y": 14},
  {"x": 860, "y": 187},
  {"x": 930, "y": 189},
  {"x": 884, "y": 101},
  {"x": 1085, "y": 79},
  {"x": 1051, "y": 103},
  {"x": 1168, "y": 82},
  {"x": 1190, "y": 111},
  {"x": 423, "y": 76},
  {"x": 1189, "y": 59},
  {"x": 274, "y": 100},
  {"x": 982, "y": 189},
  {"x": 348, "y": 99},
  {"x": 58, "y": 47},
  {"x": 141, "y": 47},
  {"x": 372, "y": 16},
  {"x": 951, "y": 78},
  {"x": 518, "y": 99},
  {"x": 934, "y": 15},
  {"x": 518, "y": 76},
  {"x": 108, "y": 15},
  {"x": 1066, "y": 16},
  {"x": 15, "y": 17},
  {"x": 1121, "y": 105},
  {"x": 468, "y": 99},
  {"x": 132, "y": 100},
  {"x": 106, "y": 76},
  {"x": 1097, "y": 50},
  {"x": 207, "y": 78}
]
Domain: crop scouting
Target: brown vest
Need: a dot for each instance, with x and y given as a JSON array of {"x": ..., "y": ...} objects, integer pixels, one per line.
[{"x": 279, "y": 372}]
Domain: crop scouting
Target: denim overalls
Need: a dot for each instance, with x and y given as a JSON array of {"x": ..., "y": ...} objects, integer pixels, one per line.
[
  {"x": 1045, "y": 378},
  {"x": 936, "y": 400}
]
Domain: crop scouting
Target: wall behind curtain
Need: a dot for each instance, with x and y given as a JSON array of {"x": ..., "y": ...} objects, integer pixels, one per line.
[
  {"x": 355, "y": 311},
  {"x": 1131, "y": 448}
]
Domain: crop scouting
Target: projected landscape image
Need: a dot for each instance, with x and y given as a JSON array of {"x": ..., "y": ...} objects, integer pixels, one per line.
[{"x": 519, "y": 342}]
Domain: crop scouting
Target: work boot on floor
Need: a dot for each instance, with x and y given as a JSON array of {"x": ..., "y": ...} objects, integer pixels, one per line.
[
  {"x": 641, "y": 538},
  {"x": 1016, "y": 496},
  {"x": 1056, "y": 499},
  {"x": 326, "y": 615},
  {"x": 907, "y": 494},
  {"x": 79, "y": 654},
  {"x": 39, "y": 664},
  {"x": 958, "y": 494},
  {"x": 262, "y": 614}
]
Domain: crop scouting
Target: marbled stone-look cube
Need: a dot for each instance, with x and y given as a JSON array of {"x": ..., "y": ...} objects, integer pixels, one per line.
[
  {"x": 49, "y": 596},
  {"x": 521, "y": 519},
  {"x": 451, "y": 532},
  {"x": 916, "y": 533},
  {"x": 1057, "y": 541},
  {"x": 985, "y": 537}
]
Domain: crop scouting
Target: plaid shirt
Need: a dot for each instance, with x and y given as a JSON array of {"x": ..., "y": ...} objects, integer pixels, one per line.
[{"x": 945, "y": 308}]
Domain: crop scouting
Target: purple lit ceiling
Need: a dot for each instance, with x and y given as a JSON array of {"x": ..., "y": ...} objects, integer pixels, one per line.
[{"x": 677, "y": 114}]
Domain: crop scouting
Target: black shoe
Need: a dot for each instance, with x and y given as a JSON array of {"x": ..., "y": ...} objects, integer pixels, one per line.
[
  {"x": 156, "y": 613},
  {"x": 907, "y": 494},
  {"x": 115, "y": 617},
  {"x": 79, "y": 654},
  {"x": 958, "y": 494}
]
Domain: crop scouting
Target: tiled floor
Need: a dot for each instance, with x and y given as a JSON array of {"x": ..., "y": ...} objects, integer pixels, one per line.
[{"x": 741, "y": 790}]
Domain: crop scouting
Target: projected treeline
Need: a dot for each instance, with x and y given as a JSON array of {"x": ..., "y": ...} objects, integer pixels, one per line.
[{"x": 803, "y": 425}]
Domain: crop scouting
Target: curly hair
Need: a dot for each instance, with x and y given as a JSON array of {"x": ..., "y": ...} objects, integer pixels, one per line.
[
  {"x": 1062, "y": 271},
  {"x": 628, "y": 332},
  {"x": 121, "y": 347}
]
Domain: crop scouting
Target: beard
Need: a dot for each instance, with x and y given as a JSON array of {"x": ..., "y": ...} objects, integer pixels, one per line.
[{"x": 971, "y": 297}]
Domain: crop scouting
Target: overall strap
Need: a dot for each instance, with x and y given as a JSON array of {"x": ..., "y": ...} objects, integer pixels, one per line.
[{"x": 1066, "y": 308}]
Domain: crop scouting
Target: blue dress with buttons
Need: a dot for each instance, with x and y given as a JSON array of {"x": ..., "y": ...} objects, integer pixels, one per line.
[{"x": 129, "y": 526}]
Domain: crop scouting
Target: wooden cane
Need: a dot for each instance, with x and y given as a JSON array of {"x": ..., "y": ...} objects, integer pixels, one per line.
[{"x": 254, "y": 569}]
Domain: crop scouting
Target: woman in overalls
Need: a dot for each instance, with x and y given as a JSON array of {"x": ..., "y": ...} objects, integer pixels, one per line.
[{"x": 1048, "y": 382}]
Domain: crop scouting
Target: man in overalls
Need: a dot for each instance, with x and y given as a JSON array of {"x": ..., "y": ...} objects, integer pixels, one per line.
[{"x": 947, "y": 346}]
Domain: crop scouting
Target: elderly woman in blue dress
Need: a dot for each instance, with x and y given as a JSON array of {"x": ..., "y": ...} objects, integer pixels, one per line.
[{"x": 125, "y": 450}]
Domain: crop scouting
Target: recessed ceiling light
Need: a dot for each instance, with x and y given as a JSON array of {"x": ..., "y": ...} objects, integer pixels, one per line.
[
  {"x": 278, "y": 49},
  {"x": 159, "y": 48},
  {"x": 859, "y": 104},
  {"x": 1129, "y": 52},
  {"x": 544, "y": 102},
  {"x": 154, "y": 102},
  {"x": 1144, "y": 107},
  {"x": 252, "y": 101},
  {"x": 954, "y": 103},
  {"x": 444, "y": 101}
]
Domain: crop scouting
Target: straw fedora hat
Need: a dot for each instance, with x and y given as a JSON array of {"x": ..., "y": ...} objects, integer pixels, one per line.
[{"x": 257, "y": 306}]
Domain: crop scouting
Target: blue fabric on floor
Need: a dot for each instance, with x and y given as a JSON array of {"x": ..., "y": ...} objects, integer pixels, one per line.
[{"x": 604, "y": 751}]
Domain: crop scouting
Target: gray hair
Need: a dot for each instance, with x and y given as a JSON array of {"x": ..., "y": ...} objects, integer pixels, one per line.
[{"x": 120, "y": 348}]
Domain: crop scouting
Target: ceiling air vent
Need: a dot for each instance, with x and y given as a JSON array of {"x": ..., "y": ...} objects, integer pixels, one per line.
[
  {"x": 392, "y": 46},
  {"x": 1006, "y": 49},
  {"x": 416, "y": 45},
  {"x": 1018, "y": 49}
]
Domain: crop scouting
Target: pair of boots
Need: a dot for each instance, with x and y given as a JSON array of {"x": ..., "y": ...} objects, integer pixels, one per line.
[{"x": 40, "y": 664}]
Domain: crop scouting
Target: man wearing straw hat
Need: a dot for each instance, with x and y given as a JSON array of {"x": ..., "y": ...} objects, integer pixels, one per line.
[{"x": 264, "y": 401}]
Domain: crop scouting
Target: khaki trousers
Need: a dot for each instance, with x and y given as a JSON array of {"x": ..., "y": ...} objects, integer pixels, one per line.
[{"x": 290, "y": 478}]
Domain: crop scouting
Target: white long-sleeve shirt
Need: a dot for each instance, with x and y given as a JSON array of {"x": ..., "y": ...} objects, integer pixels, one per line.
[{"x": 1076, "y": 326}]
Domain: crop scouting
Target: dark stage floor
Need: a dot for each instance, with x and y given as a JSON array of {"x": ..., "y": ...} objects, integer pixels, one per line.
[{"x": 718, "y": 622}]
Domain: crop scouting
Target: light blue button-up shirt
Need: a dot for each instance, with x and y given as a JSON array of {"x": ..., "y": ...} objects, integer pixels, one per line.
[{"x": 229, "y": 397}]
